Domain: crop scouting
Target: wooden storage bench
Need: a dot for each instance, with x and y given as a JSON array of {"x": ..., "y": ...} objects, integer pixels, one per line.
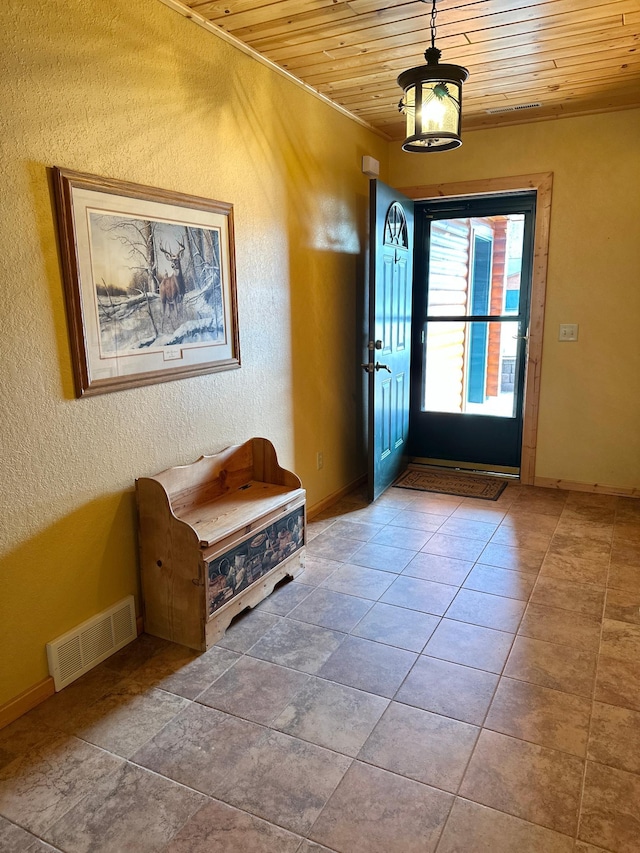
[{"x": 215, "y": 537}]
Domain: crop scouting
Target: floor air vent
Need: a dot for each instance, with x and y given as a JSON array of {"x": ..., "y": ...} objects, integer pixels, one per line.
[
  {"x": 517, "y": 108},
  {"x": 79, "y": 650}
]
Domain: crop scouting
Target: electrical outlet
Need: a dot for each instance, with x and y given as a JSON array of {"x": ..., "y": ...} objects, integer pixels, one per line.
[
  {"x": 319, "y": 459},
  {"x": 568, "y": 332}
]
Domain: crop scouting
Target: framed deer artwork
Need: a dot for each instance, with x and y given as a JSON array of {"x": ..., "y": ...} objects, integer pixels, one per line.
[{"x": 149, "y": 280}]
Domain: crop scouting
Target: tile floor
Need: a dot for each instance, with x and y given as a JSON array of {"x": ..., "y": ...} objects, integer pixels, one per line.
[{"x": 447, "y": 674}]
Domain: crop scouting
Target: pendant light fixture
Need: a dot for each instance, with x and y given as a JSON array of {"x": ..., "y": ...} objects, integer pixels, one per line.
[{"x": 432, "y": 100}]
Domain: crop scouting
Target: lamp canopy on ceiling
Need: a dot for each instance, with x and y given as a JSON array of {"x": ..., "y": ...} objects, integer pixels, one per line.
[{"x": 432, "y": 100}]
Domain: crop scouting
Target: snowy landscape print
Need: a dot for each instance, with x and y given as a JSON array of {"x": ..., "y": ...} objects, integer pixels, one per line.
[{"x": 157, "y": 284}]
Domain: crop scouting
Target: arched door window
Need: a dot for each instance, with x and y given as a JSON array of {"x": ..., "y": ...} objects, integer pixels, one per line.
[{"x": 395, "y": 227}]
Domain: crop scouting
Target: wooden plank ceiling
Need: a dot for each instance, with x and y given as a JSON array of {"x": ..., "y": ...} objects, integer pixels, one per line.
[{"x": 569, "y": 57}]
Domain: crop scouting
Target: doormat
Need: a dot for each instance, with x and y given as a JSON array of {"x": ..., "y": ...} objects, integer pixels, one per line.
[{"x": 452, "y": 483}]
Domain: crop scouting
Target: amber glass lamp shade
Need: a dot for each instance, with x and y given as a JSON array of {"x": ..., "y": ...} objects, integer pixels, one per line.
[{"x": 432, "y": 104}]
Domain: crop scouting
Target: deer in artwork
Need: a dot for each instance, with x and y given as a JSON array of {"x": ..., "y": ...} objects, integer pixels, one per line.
[{"x": 172, "y": 287}]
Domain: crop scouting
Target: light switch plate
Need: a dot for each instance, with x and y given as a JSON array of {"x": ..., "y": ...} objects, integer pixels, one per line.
[{"x": 568, "y": 332}]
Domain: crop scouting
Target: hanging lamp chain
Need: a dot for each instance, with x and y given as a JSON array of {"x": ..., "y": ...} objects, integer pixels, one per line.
[{"x": 434, "y": 13}]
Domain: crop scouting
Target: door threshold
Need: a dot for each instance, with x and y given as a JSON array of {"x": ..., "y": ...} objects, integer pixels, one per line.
[{"x": 502, "y": 471}]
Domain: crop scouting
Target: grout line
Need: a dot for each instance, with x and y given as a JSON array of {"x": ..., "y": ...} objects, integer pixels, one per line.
[{"x": 593, "y": 693}]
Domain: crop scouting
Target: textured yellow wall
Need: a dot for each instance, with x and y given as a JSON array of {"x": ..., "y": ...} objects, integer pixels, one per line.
[
  {"x": 130, "y": 90},
  {"x": 589, "y": 424}
]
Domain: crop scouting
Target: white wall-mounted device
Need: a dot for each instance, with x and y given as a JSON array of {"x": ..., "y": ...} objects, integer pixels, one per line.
[{"x": 370, "y": 166}]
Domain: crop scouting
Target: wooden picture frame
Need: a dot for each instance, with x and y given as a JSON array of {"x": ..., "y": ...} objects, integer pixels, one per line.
[{"x": 150, "y": 282}]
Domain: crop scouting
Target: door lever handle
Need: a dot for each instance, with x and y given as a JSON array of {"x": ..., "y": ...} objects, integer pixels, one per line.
[{"x": 369, "y": 368}]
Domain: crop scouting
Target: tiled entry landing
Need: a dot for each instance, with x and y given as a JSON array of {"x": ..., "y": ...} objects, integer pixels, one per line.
[{"x": 447, "y": 674}]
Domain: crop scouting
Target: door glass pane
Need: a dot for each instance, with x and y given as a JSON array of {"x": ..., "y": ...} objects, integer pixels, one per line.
[
  {"x": 470, "y": 367},
  {"x": 475, "y": 265}
]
